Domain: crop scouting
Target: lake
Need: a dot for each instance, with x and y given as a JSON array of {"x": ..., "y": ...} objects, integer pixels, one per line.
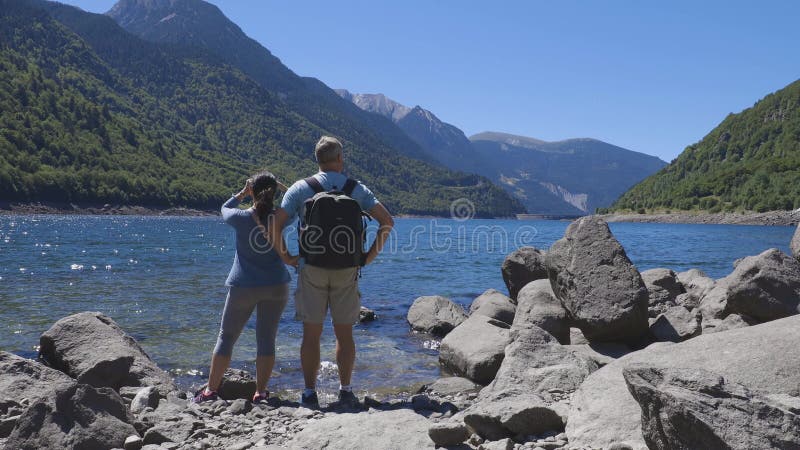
[{"x": 161, "y": 279}]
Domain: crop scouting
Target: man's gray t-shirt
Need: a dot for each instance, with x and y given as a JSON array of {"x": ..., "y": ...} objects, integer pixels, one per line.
[{"x": 300, "y": 191}]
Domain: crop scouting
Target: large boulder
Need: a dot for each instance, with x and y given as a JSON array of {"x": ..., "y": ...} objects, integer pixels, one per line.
[
  {"x": 535, "y": 363},
  {"x": 522, "y": 266},
  {"x": 795, "y": 244},
  {"x": 597, "y": 283},
  {"x": 93, "y": 349},
  {"x": 764, "y": 287},
  {"x": 78, "y": 416},
  {"x": 691, "y": 408},
  {"x": 435, "y": 314},
  {"x": 675, "y": 324},
  {"x": 696, "y": 284},
  {"x": 400, "y": 429},
  {"x": 494, "y": 304},
  {"x": 22, "y": 378},
  {"x": 537, "y": 306},
  {"x": 663, "y": 289},
  {"x": 764, "y": 357},
  {"x": 475, "y": 348}
]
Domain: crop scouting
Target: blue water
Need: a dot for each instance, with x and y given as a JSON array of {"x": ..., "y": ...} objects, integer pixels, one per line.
[{"x": 162, "y": 280}]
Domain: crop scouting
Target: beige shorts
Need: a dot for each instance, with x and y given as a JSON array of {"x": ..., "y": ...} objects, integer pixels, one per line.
[{"x": 319, "y": 289}]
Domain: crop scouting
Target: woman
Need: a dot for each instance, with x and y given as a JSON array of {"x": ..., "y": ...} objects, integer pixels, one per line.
[{"x": 258, "y": 280}]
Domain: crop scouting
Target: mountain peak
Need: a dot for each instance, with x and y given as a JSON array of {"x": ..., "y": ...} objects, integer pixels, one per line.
[{"x": 376, "y": 103}]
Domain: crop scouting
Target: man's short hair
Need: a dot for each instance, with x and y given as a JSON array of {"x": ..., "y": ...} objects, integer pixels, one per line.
[{"x": 327, "y": 150}]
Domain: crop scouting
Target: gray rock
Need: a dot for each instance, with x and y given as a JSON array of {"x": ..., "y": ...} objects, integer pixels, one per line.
[
  {"x": 597, "y": 283},
  {"x": 448, "y": 433},
  {"x": 576, "y": 336},
  {"x": 732, "y": 322},
  {"x": 522, "y": 266},
  {"x": 133, "y": 442},
  {"x": 794, "y": 245},
  {"x": 237, "y": 384},
  {"x": 502, "y": 444},
  {"x": 93, "y": 349},
  {"x": 7, "y": 425},
  {"x": 494, "y": 304},
  {"x": 366, "y": 315},
  {"x": 399, "y": 429},
  {"x": 77, "y": 416},
  {"x": 475, "y": 348},
  {"x": 765, "y": 287},
  {"x": 696, "y": 284},
  {"x": 601, "y": 353},
  {"x": 538, "y": 306},
  {"x": 145, "y": 397},
  {"x": 435, "y": 315},
  {"x": 535, "y": 363},
  {"x": 692, "y": 408},
  {"x": 663, "y": 289},
  {"x": 240, "y": 406},
  {"x": 452, "y": 386},
  {"x": 171, "y": 431},
  {"x": 510, "y": 415},
  {"x": 676, "y": 324},
  {"x": 764, "y": 357},
  {"x": 24, "y": 378}
]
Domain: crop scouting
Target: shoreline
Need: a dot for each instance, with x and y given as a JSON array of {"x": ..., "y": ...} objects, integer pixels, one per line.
[
  {"x": 772, "y": 218},
  {"x": 73, "y": 209}
]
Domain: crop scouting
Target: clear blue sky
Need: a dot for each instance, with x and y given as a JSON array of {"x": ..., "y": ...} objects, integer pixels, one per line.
[{"x": 650, "y": 76}]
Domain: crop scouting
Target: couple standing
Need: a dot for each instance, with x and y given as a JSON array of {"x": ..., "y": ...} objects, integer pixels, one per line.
[{"x": 259, "y": 280}]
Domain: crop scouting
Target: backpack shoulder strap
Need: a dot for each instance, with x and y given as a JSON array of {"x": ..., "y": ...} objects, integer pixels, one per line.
[
  {"x": 349, "y": 186},
  {"x": 314, "y": 184}
]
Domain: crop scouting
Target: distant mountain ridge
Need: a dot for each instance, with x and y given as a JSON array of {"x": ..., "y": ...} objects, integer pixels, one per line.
[
  {"x": 90, "y": 113},
  {"x": 570, "y": 177},
  {"x": 750, "y": 162}
]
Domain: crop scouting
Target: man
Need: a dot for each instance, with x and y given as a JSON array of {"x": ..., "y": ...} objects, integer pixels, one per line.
[{"x": 320, "y": 289}]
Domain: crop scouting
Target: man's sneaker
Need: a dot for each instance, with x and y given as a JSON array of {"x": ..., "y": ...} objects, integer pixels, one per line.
[
  {"x": 348, "y": 399},
  {"x": 260, "y": 398},
  {"x": 310, "y": 400},
  {"x": 202, "y": 396}
]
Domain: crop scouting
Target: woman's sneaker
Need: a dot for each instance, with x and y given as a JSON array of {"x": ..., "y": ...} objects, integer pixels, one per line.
[
  {"x": 205, "y": 396},
  {"x": 260, "y": 398},
  {"x": 309, "y": 401}
]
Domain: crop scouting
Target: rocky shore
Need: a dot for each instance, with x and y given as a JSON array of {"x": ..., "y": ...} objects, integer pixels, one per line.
[
  {"x": 788, "y": 218},
  {"x": 7, "y": 208},
  {"x": 585, "y": 353}
]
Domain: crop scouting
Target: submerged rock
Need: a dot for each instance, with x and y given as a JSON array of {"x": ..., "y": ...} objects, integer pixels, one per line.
[
  {"x": 495, "y": 305},
  {"x": 522, "y": 266},
  {"x": 93, "y": 349},
  {"x": 435, "y": 315},
  {"x": 692, "y": 408},
  {"x": 475, "y": 348},
  {"x": 597, "y": 283}
]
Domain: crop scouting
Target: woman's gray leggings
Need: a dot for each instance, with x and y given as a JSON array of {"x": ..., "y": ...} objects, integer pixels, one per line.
[{"x": 268, "y": 301}]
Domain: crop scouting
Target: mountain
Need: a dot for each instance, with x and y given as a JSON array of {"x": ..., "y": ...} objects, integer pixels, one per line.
[
  {"x": 92, "y": 113},
  {"x": 196, "y": 23},
  {"x": 750, "y": 161},
  {"x": 585, "y": 173},
  {"x": 570, "y": 177}
]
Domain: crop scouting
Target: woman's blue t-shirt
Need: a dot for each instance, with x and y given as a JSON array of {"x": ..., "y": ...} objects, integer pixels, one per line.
[{"x": 256, "y": 263}]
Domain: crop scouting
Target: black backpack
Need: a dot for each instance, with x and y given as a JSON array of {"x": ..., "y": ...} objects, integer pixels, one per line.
[{"x": 332, "y": 231}]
